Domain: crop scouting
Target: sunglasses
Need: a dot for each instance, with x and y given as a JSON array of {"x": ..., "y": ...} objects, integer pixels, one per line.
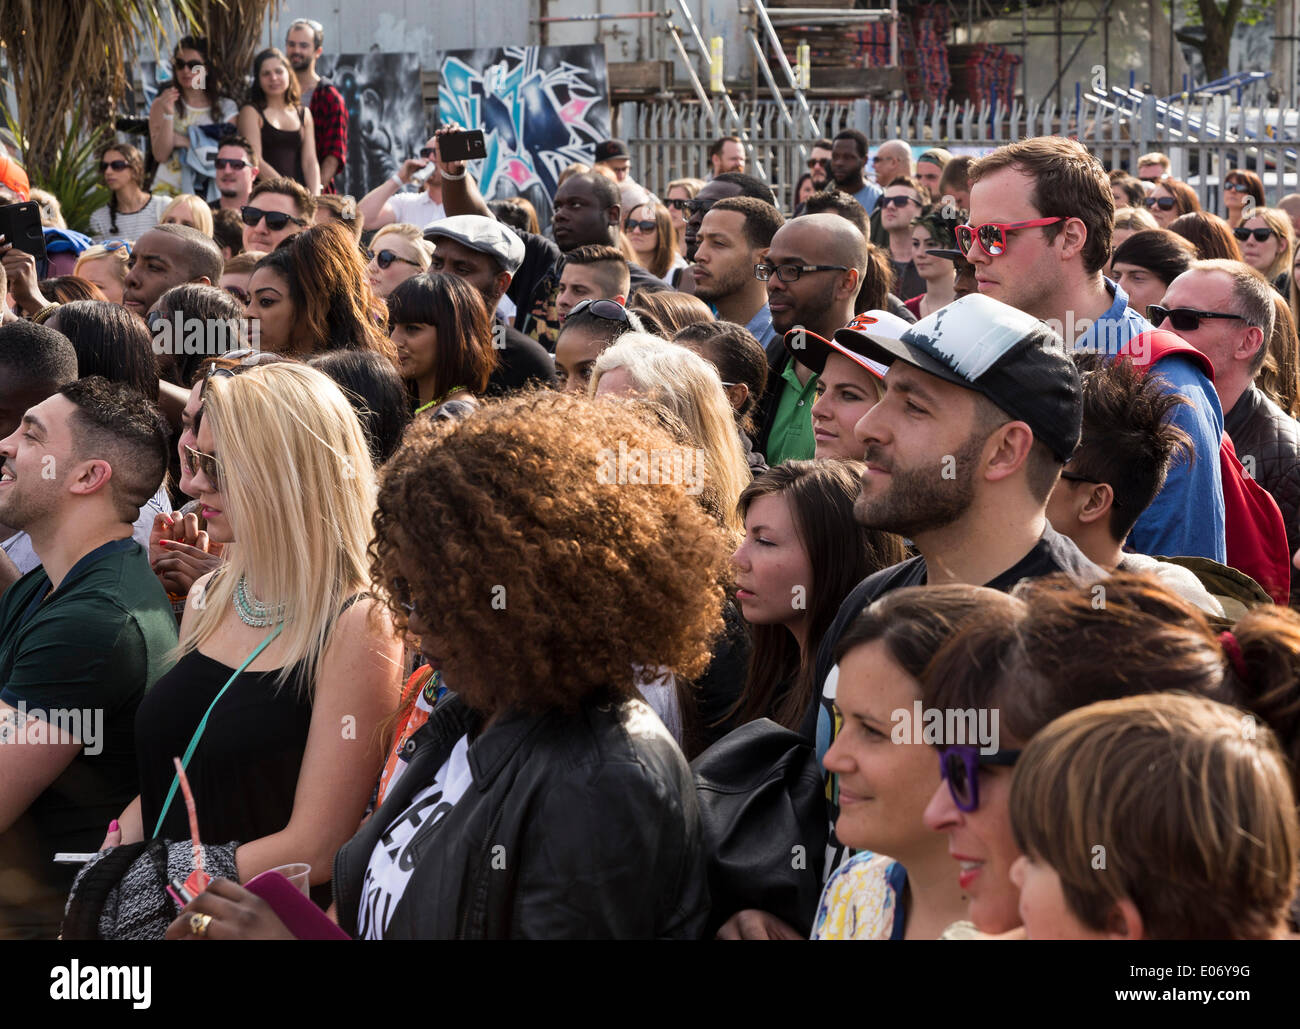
[
  {"x": 385, "y": 259},
  {"x": 196, "y": 461},
  {"x": 610, "y": 310},
  {"x": 699, "y": 206},
  {"x": 428, "y": 151},
  {"x": 960, "y": 766},
  {"x": 678, "y": 204},
  {"x": 1239, "y": 187},
  {"x": 115, "y": 165},
  {"x": 1260, "y": 234},
  {"x": 992, "y": 236},
  {"x": 792, "y": 272},
  {"x": 275, "y": 220},
  {"x": 898, "y": 202},
  {"x": 233, "y": 163},
  {"x": 1164, "y": 203},
  {"x": 639, "y": 226},
  {"x": 1184, "y": 319},
  {"x": 187, "y": 65},
  {"x": 117, "y": 244}
]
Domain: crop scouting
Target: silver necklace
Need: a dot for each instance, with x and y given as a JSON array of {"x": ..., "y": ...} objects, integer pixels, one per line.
[{"x": 252, "y": 611}]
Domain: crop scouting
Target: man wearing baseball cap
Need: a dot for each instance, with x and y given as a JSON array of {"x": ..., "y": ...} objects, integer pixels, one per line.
[
  {"x": 982, "y": 407},
  {"x": 613, "y": 154},
  {"x": 486, "y": 254}
]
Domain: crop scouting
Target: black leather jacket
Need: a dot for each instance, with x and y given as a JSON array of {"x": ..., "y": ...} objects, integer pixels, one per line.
[
  {"x": 1267, "y": 441},
  {"x": 581, "y": 826}
]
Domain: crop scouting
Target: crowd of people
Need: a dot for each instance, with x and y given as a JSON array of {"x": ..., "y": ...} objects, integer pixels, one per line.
[{"x": 938, "y": 531}]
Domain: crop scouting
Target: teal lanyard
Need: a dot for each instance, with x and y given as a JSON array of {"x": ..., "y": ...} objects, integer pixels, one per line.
[{"x": 198, "y": 733}]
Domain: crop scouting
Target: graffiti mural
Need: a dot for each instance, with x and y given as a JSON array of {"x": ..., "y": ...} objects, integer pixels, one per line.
[
  {"x": 386, "y": 119},
  {"x": 542, "y": 109}
]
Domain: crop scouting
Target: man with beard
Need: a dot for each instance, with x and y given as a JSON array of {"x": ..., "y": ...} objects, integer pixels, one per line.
[
  {"x": 813, "y": 268},
  {"x": 982, "y": 408},
  {"x": 82, "y": 637},
  {"x": 848, "y": 158},
  {"x": 329, "y": 115},
  {"x": 733, "y": 239},
  {"x": 724, "y": 187}
]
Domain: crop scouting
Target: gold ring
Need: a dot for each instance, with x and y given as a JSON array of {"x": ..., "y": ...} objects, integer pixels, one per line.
[{"x": 199, "y": 924}]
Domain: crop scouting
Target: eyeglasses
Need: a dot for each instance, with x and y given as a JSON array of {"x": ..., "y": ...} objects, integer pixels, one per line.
[
  {"x": 385, "y": 259},
  {"x": 677, "y": 205},
  {"x": 187, "y": 65},
  {"x": 112, "y": 245},
  {"x": 240, "y": 294},
  {"x": 275, "y": 220},
  {"x": 196, "y": 461},
  {"x": 699, "y": 206},
  {"x": 792, "y": 272},
  {"x": 233, "y": 163},
  {"x": 610, "y": 310},
  {"x": 1260, "y": 234},
  {"x": 639, "y": 226},
  {"x": 899, "y": 201},
  {"x": 1184, "y": 319},
  {"x": 115, "y": 165},
  {"x": 1164, "y": 203},
  {"x": 960, "y": 765},
  {"x": 428, "y": 151},
  {"x": 1239, "y": 187},
  {"x": 992, "y": 236}
]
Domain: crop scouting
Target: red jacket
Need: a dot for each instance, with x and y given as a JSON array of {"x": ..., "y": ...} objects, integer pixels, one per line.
[{"x": 1255, "y": 533}]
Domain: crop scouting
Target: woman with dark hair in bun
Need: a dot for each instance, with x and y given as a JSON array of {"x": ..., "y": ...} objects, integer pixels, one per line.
[{"x": 1147, "y": 262}]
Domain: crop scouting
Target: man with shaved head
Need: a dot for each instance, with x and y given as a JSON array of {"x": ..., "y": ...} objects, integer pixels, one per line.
[
  {"x": 813, "y": 268},
  {"x": 893, "y": 160}
]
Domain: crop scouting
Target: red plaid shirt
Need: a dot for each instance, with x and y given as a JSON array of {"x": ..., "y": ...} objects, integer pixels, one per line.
[{"x": 330, "y": 120}]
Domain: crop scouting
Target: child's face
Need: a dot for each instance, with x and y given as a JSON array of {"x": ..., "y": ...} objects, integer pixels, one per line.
[{"x": 1043, "y": 908}]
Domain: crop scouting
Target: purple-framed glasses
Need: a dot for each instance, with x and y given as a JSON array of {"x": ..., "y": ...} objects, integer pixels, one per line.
[{"x": 959, "y": 765}]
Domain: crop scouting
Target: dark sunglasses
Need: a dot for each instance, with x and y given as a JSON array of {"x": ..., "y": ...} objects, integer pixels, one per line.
[
  {"x": 233, "y": 163},
  {"x": 117, "y": 244},
  {"x": 898, "y": 202},
  {"x": 385, "y": 259},
  {"x": 275, "y": 220},
  {"x": 187, "y": 65},
  {"x": 1164, "y": 203},
  {"x": 115, "y": 165},
  {"x": 1184, "y": 319},
  {"x": 678, "y": 204},
  {"x": 639, "y": 226},
  {"x": 960, "y": 766},
  {"x": 699, "y": 206},
  {"x": 610, "y": 310},
  {"x": 1239, "y": 187},
  {"x": 242, "y": 295},
  {"x": 1260, "y": 234},
  {"x": 196, "y": 461}
]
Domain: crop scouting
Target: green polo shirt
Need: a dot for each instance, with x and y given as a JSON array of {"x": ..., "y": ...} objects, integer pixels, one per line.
[{"x": 791, "y": 438}]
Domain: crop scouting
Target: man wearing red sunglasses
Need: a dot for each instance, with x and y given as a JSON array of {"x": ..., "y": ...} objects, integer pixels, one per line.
[{"x": 1039, "y": 235}]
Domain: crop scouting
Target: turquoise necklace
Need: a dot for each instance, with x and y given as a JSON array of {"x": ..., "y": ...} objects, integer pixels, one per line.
[{"x": 252, "y": 611}]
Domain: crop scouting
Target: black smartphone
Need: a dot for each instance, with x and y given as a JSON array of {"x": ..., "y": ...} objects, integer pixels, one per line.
[
  {"x": 462, "y": 146},
  {"x": 20, "y": 224}
]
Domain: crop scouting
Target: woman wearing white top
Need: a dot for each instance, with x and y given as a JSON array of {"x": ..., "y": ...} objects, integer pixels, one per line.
[
  {"x": 130, "y": 211},
  {"x": 193, "y": 100}
]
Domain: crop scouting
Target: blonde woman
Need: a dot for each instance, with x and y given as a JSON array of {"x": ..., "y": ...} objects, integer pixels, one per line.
[
  {"x": 295, "y": 665},
  {"x": 51, "y": 209},
  {"x": 1267, "y": 240},
  {"x": 187, "y": 209},
  {"x": 397, "y": 252},
  {"x": 1130, "y": 220},
  {"x": 680, "y": 380},
  {"x": 105, "y": 265}
]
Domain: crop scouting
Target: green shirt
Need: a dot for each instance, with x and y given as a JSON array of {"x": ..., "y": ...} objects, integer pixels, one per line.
[
  {"x": 87, "y": 652},
  {"x": 791, "y": 438}
]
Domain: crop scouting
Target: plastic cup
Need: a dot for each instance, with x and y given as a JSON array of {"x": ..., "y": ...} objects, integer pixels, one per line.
[{"x": 299, "y": 874}]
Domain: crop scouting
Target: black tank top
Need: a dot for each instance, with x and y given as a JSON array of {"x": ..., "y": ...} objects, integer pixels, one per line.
[{"x": 283, "y": 149}]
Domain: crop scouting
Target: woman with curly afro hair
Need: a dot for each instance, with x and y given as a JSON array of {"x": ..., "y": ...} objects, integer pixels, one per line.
[{"x": 545, "y": 551}]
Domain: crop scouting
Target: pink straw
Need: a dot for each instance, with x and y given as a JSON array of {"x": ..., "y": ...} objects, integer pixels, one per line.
[{"x": 194, "y": 822}]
